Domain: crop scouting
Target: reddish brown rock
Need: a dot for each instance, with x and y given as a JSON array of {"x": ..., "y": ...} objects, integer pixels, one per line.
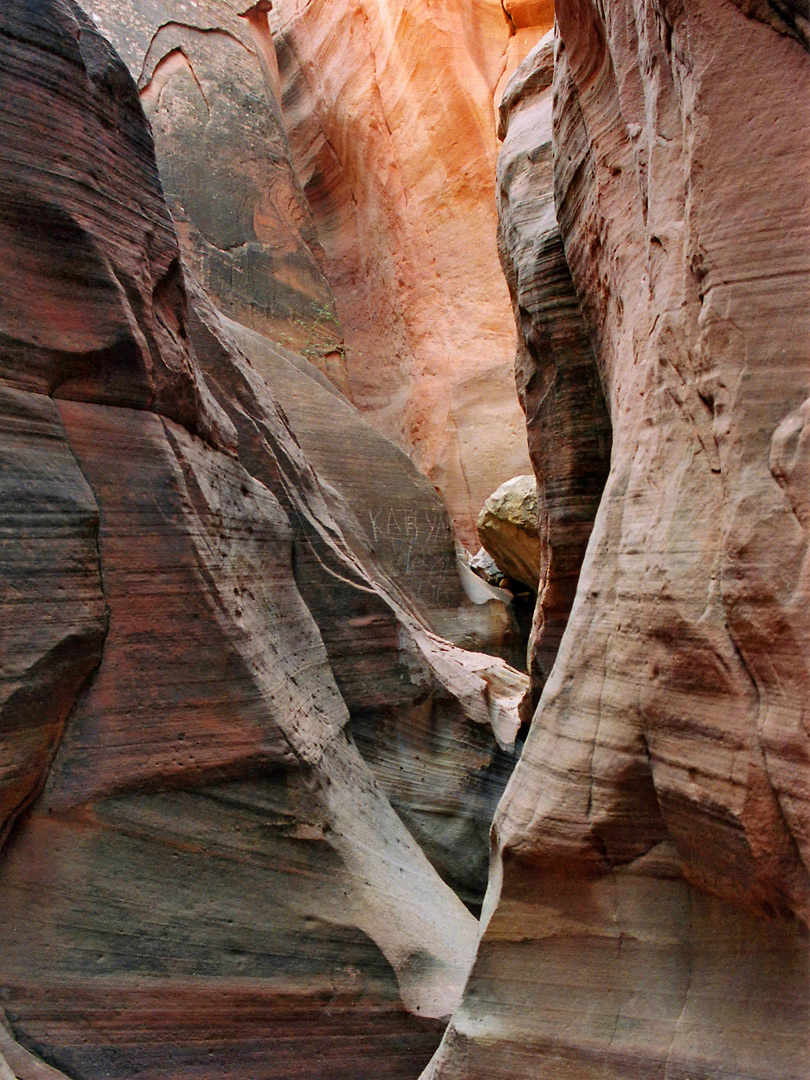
[
  {"x": 390, "y": 111},
  {"x": 51, "y": 603},
  {"x": 216, "y": 872},
  {"x": 648, "y": 905},
  {"x": 16, "y": 1063},
  {"x": 79, "y": 318},
  {"x": 557, "y": 377},
  {"x": 791, "y": 17}
]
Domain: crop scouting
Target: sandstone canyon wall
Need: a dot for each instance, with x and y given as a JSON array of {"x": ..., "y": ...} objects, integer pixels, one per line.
[
  {"x": 648, "y": 904},
  {"x": 253, "y": 724},
  {"x": 556, "y": 372},
  {"x": 389, "y": 108},
  {"x": 208, "y": 81},
  {"x": 389, "y": 105},
  {"x": 226, "y": 715}
]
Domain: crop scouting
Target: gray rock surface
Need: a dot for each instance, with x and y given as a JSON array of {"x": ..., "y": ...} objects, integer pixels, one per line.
[{"x": 208, "y": 81}]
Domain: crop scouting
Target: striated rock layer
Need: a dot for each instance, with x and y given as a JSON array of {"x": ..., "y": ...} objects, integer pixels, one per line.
[
  {"x": 557, "y": 377},
  {"x": 648, "y": 905},
  {"x": 389, "y": 105},
  {"x": 219, "y": 705}
]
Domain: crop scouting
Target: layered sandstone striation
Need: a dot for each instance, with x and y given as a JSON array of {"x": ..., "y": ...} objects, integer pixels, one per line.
[
  {"x": 17, "y": 1063},
  {"x": 648, "y": 902},
  {"x": 238, "y": 758},
  {"x": 557, "y": 377},
  {"x": 389, "y": 106},
  {"x": 246, "y": 768}
]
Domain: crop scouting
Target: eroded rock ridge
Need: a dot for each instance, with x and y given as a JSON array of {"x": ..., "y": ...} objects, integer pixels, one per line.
[{"x": 648, "y": 903}]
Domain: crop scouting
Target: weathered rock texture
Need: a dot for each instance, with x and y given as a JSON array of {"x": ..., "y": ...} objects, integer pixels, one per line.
[
  {"x": 208, "y": 80},
  {"x": 402, "y": 519},
  {"x": 648, "y": 906},
  {"x": 17, "y": 1063},
  {"x": 390, "y": 106},
  {"x": 218, "y": 702},
  {"x": 508, "y": 529},
  {"x": 557, "y": 377},
  {"x": 791, "y": 17}
]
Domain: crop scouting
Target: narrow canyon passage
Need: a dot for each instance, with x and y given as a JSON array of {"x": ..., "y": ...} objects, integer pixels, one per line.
[{"x": 288, "y": 290}]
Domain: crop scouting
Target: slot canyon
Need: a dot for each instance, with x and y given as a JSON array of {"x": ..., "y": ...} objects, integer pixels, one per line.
[{"x": 405, "y": 540}]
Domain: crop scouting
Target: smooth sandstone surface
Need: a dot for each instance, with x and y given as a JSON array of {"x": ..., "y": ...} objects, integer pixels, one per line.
[
  {"x": 401, "y": 519},
  {"x": 648, "y": 904},
  {"x": 238, "y": 759},
  {"x": 208, "y": 81},
  {"x": 437, "y": 724},
  {"x": 389, "y": 106},
  {"x": 242, "y": 751}
]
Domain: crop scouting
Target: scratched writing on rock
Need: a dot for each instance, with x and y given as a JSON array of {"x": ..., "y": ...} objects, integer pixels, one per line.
[
  {"x": 405, "y": 522},
  {"x": 417, "y": 541}
]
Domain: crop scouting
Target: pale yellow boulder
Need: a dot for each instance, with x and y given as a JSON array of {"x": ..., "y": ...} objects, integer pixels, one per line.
[{"x": 508, "y": 529}]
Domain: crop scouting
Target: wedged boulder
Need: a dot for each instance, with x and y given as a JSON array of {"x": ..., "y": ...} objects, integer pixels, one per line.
[
  {"x": 508, "y": 529},
  {"x": 649, "y": 899},
  {"x": 216, "y": 875}
]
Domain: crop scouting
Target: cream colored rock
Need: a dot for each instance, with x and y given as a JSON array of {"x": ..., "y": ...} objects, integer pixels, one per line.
[
  {"x": 389, "y": 105},
  {"x": 508, "y": 529},
  {"x": 403, "y": 523},
  {"x": 627, "y": 975}
]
